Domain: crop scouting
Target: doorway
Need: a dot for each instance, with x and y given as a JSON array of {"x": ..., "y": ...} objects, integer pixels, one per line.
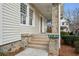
[{"x": 49, "y": 26}]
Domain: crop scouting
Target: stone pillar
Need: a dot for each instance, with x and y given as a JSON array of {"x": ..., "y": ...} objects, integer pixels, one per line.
[
  {"x": 54, "y": 43},
  {"x": 53, "y": 47},
  {"x": 55, "y": 18},
  {"x": 55, "y": 28},
  {"x": 61, "y": 10}
]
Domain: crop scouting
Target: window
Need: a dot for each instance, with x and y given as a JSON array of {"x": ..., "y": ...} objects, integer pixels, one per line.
[
  {"x": 30, "y": 16},
  {"x": 66, "y": 23},
  {"x": 23, "y": 10},
  {"x": 62, "y": 23}
]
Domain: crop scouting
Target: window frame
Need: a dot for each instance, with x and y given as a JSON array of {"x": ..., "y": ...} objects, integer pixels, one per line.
[
  {"x": 32, "y": 18},
  {"x": 24, "y": 14},
  {"x": 62, "y": 23}
]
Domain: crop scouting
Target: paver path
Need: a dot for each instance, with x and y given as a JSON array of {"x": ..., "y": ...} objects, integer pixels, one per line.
[{"x": 33, "y": 52}]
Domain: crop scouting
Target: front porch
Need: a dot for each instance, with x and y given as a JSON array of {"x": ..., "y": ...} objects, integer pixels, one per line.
[
  {"x": 47, "y": 25},
  {"x": 40, "y": 45},
  {"x": 32, "y": 32}
]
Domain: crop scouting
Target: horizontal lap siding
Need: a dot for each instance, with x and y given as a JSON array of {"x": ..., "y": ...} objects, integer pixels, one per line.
[
  {"x": 0, "y": 25},
  {"x": 10, "y": 22}
]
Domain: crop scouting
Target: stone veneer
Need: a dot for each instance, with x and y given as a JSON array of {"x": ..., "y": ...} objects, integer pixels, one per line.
[
  {"x": 53, "y": 47},
  {"x": 12, "y": 47},
  {"x": 55, "y": 18},
  {"x": 54, "y": 43}
]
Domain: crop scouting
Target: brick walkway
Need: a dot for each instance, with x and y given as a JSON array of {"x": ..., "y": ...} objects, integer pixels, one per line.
[{"x": 67, "y": 51}]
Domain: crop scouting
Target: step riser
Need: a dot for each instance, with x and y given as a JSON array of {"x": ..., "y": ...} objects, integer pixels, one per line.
[
  {"x": 42, "y": 46},
  {"x": 41, "y": 37},
  {"x": 39, "y": 41},
  {"x": 38, "y": 47}
]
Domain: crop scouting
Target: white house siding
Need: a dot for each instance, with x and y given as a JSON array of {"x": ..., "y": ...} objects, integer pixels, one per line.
[
  {"x": 10, "y": 16},
  {"x": 35, "y": 28},
  {"x": 0, "y": 26}
]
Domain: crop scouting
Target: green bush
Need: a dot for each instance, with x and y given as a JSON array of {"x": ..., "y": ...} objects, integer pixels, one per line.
[
  {"x": 64, "y": 33},
  {"x": 71, "y": 33},
  {"x": 51, "y": 36},
  {"x": 71, "y": 40},
  {"x": 68, "y": 39}
]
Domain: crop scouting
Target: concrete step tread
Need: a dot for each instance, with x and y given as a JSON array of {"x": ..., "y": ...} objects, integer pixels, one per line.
[
  {"x": 37, "y": 39},
  {"x": 38, "y": 46},
  {"x": 38, "y": 42},
  {"x": 41, "y": 37}
]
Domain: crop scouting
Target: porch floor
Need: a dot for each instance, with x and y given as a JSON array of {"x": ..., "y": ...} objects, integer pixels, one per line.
[{"x": 33, "y": 52}]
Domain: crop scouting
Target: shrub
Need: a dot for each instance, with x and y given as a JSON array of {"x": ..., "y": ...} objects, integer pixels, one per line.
[
  {"x": 68, "y": 39},
  {"x": 51, "y": 36},
  {"x": 71, "y": 33},
  {"x": 64, "y": 33},
  {"x": 76, "y": 44},
  {"x": 71, "y": 40}
]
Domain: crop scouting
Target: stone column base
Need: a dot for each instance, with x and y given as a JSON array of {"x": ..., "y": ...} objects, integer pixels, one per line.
[{"x": 53, "y": 47}]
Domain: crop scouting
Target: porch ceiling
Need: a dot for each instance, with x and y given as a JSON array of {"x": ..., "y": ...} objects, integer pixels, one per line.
[{"x": 45, "y": 9}]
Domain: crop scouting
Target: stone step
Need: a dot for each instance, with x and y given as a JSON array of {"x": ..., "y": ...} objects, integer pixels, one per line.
[
  {"x": 38, "y": 42},
  {"x": 40, "y": 36},
  {"x": 38, "y": 46}
]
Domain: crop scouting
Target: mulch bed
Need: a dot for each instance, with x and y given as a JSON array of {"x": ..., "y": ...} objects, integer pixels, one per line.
[
  {"x": 66, "y": 50},
  {"x": 12, "y": 53},
  {"x": 15, "y": 52}
]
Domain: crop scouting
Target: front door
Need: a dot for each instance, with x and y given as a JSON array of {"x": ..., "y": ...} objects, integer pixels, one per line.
[{"x": 49, "y": 26}]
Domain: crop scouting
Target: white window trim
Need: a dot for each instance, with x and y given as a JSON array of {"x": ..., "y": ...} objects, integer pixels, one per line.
[
  {"x": 39, "y": 21},
  {"x": 33, "y": 21},
  {"x": 26, "y": 16}
]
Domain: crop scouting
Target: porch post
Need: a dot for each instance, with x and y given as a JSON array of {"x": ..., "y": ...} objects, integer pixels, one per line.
[
  {"x": 54, "y": 43},
  {"x": 55, "y": 18}
]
